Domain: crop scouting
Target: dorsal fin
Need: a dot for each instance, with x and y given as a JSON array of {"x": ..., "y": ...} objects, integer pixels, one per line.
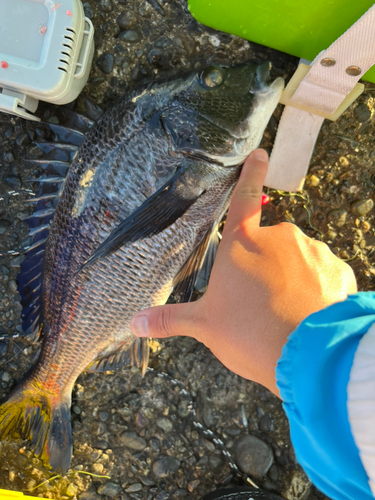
[{"x": 54, "y": 168}]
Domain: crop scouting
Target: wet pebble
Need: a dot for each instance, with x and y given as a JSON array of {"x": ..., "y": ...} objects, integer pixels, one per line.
[
  {"x": 71, "y": 490},
  {"x": 215, "y": 463},
  {"x": 130, "y": 36},
  {"x": 12, "y": 285},
  {"x": 337, "y": 217},
  {"x": 4, "y": 225},
  {"x": 163, "y": 495},
  {"x": 362, "y": 113},
  {"x": 23, "y": 139},
  {"x": 88, "y": 10},
  {"x": 162, "y": 43},
  {"x": 163, "y": 466},
  {"x": 105, "y": 5},
  {"x": 362, "y": 207},
  {"x": 104, "y": 416},
  {"x": 299, "y": 488},
  {"x": 105, "y": 62},
  {"x": 97, "y": 468},
  {"x": 8, "y": 157},
  {"x": 109, "y": 489},
  {"x": 6, "y": 377},
  {"x": 13, "y": 181},
  {"x": 5, "y": 269},
  {"x": 126, "y": 20},
  {"x": 133, "y": 488},
  {"x": 157, "y": 7},
  {"x": 253, "y": 455},
  {"x": 133, "y": 441},
  {"x": 165, "y": 424}
]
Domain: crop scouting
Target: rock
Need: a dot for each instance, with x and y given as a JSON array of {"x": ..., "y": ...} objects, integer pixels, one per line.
[
  {"x": 362, "y": 207},
  {"x": 312, "y": 180},
  {"x": 22, "y": 139},
  {"x": 8, "y": 157},
  {"x": 6, "y": 377},
  {"x": 88, "y": 10},
  {"x": 162, "y": 43},
  {"x": 163, "y": 466},
  {"x": 105, "y": 5},
  {"x": 133, "y": 441},
  {"x": 215, "y": 463},
  {"x": 299, "y": 488},
  {"x": 135, "y": 72},
  {"x": 105, "y": 62},
  {"x": 109, "y": 489},
  {"x": 13, "y": 285},
  {"x": 16, "y": 261},
  {"x": 98, "y": 428},
  {"x": 4, "y": 269},
  {"x": 4, "y": 225},
  {"x": 362, "y": 113},
  {"x": 253, "y": 455},
  {"x": 133, "y": 488},
  {"x": 13, "y": 181},
  {"x": 165, "y": 424},
  {"x": 71, "y": 490},
  {"x": 104, "y": 416},
  {"x": 337, "y": 217},
  {"x": 163, "y": 495},
  {"x": 97, "y": 468},
  {"x": 130, "y": 36},
  {"x": 158, "y": 8},
  {"x": 126, "y": 20}
]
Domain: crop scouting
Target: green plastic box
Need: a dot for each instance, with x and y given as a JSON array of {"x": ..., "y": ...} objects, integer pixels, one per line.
[{"x": 302, "y": 28}]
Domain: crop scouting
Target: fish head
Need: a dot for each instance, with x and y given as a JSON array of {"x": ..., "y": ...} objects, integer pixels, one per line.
[{"x": 231, "y": 106}]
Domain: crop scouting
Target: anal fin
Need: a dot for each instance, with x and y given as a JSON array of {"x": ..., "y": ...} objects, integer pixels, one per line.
[{"x": 137, "y": 355}]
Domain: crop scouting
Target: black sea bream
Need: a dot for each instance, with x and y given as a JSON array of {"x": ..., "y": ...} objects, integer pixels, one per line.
[{"x": 136, "y": 214}]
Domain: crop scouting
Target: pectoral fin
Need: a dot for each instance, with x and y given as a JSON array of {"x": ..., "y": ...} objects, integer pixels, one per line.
[
  {"x": 200, "y": 261},
  {"x": 158, "y": 212}
]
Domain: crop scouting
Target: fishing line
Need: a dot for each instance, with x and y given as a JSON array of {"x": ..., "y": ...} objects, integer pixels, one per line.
[{"x": 208, "y": 433}]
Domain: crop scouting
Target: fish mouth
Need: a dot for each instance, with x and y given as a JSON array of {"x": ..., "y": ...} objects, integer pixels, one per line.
[{"x": 259, "y": 84}]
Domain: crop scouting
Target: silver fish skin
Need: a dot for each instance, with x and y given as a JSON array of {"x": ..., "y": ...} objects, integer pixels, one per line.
[{"x": 136, "y": 215}]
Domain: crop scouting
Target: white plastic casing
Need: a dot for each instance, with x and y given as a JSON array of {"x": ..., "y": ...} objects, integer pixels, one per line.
[{"x": 46, "y": 51}]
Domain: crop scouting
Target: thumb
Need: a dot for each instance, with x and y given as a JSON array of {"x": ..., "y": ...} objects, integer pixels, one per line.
[
  {"x": 247, "y": 196},
  {"x": 164, "y": 321}
]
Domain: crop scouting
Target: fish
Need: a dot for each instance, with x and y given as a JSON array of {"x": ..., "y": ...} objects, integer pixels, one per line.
[{"x": 133, "y": 218}]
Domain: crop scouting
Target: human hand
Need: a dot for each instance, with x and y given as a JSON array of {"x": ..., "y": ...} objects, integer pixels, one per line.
[{"x": 264, "y": 282}]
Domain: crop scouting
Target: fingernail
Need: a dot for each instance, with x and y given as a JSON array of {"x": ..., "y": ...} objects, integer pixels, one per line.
[
  {"x": 261, "y": 155},
  {"x": 139, "y": 326}
]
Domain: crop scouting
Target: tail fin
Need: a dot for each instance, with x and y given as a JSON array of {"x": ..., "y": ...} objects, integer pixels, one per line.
[{"x": 31, "y": 413}]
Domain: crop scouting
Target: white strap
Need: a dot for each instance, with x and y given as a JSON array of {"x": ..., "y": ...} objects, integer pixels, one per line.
[{"x": 324, "y": 88}]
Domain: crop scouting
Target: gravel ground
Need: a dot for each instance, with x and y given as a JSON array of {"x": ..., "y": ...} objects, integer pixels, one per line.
[{"x": 140, "y": 433}]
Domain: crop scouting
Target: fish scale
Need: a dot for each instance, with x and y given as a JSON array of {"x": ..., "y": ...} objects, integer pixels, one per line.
[{"x": 136, "y": 216}]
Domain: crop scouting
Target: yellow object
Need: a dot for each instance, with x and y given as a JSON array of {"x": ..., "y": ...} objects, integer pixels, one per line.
[
  {"x": 301, "y": 72},
  {"x": 13, "y": 495}
]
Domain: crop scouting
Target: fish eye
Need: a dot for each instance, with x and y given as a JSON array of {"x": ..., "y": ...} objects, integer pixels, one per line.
[{"x": 211, "y": 77}]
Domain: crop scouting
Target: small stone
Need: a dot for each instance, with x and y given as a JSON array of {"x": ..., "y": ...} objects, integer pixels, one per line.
[
  {"x": 104, "y": 416},
  {"x": 105, "y": 62},
  {"x": 253, "y": 455},
  {"x": 162, "y": 43},
  {"x": 133, "y": 441},
  {"x": 299, "y": 488},
  {"x": 362, "y": 113},
  {"x": 265, "y": 423},
  {"x": 30, "y": 485},
  {"x": 140, "y": 419},
  {"x": 16, "y": 261},
  {"x": 135, "y": 72},
  {"x": 130, "y": 36},
  {"x": 105, "y": 5},
  {"x": 344, "y": 162},
  {"x": 192, "y": 485},
  {"x": 133, "y": 488},
  {"x": 163, "y": 466},
  {"x": 6, "y": 377},
  {"x": 183, "y": 408},
  {"x": 126, "y": 20},
  {"x": 216, "y": 464},
  {"x": 98, "y": 428},
  {"x": 163, "y": 495},
  {"x": 146, "y": 481},
  {"x": 8, "y": 157},
  {"x": 12, "y": 285},
  {"x": 331, "y": 235},
  {"x": 165, "y": 424},
  {"x": 13, "y": 181},
  {"x": 71, "y": 490},
  {"x": 109, "y": 489},
  {"x": 97, "y": 468},
  {"x": 312, "y": 180},
  {"x": 22, "y": 139},
  {"x": 362, "y": 207},
  {"x": 101, "y": 444},
  {"x": 88, "y": 10},
  {"x": 4, "y": 225},
  {"x": 76, "y": 409},
  {"x": 337, "y": 217},
  {"x": 5, "y": 269},
  {"x": 12, "y": 475}
]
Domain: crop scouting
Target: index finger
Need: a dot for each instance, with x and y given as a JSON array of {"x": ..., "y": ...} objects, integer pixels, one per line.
[{"x": 247, "y": 196}]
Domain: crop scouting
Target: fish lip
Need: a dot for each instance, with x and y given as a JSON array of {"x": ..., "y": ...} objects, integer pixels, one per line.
[{"x": 259, "y": 84}]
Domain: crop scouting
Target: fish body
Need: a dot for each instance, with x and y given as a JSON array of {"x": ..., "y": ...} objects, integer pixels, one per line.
[{"x": 135, "y": 218}]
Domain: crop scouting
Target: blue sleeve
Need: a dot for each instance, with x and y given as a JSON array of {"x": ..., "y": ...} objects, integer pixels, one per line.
[{"x": 312, "y": 376}]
